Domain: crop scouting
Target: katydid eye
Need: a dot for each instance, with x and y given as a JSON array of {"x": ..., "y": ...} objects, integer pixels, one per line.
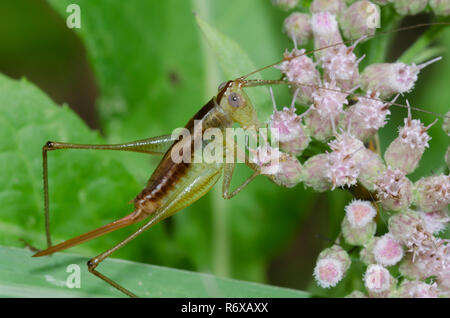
[{"x": 234, "y": 100}]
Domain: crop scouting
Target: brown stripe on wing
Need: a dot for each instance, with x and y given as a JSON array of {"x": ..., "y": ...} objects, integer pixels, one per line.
[{"x": 168, "y": 173}]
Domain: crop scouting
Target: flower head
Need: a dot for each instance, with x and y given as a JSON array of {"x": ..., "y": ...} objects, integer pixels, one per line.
[
  {"x": 387, "y": 250},
  {"x": 329, "y": 101},
  {"x": 298, "y": 27},
  {"x": 289, "y": 173},
  {"x": 432, "y": 193},
  {"x": 267, "y": 159},
  {"x": 298, "y": 67},
  {"x": 414, "y": 134},
  {"x": 328, "y": 272},
  {"x": 435, "y": 221},
  {"x": 315, "y": 173},
  {"x": 377, "y": 279},
  {"x": 394, "y": 190},
  {"x": 292, "y": 134},
  {"x": 343, "y": 164},
  {"x": 403, "y": 225},
  {"x": 360, "y": 213},
  {"x": 391, "y": 78},
  {"x": 407, "y": 149},
  {"x": 361, "y": 18},
  {"x": 332, "y": 263},
  {"x": 325, "y": 30},
  {"x": 367, "y": 116}
]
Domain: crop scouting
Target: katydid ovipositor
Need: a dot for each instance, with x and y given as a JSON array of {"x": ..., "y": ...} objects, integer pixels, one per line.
[{"x": 172, "y": 186}]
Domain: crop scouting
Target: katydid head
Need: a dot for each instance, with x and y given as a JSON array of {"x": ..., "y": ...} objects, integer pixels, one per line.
[{"x": 235, "y": 102}]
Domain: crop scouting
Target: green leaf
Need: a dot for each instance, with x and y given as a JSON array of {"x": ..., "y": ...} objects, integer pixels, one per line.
[
  {"x": 23, "y": 276},
  {"x": 87, "y": 188}
]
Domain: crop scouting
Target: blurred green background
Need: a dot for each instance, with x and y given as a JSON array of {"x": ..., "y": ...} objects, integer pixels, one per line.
[{"x": 137, "y": 69}]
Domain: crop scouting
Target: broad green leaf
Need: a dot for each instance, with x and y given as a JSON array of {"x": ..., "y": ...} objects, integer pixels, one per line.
[
  {"x": 24, "y": 276},
  {"x": 87, "y": 188}
]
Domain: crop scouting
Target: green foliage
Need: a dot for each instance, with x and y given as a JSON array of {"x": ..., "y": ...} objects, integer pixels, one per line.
[{"x": 48, "y": 276}]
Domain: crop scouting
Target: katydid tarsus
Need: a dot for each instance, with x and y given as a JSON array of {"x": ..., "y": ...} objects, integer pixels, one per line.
[{"x": 175, "y": 185}]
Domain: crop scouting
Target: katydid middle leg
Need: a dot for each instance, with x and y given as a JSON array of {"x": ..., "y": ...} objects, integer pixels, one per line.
[{"x": 227, "y": 176}]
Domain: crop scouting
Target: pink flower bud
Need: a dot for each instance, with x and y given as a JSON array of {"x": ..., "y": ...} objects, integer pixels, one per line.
[
  {"x": 282, "y": 168},
  {"x": 267, "y": 159},
  {"x": 387, "y": 250},
  {"x": 440, "y": 7},
  {"x": 333, "y": 6},
  {"x": 410, "y": 7},
  {"x": 366, "y": 254},
  {"x": 435, "y": 221},
  {"x": 413, "y": 269},
  {"x": 356, "y": 294},
  {"x": 315, "y": 173},
  {"x": 391, "y": 78},
  {"x": 332, "y": 263},
  {"x": 403, "y": 225},
  {"x": 366, "y": 116},
  {"x": 360, "y": 213},
  {"x": 377, "y": 279},
  {"x": 358, "y": 235},
  {"x": 329, "y": 101},
  {"x": 292, "y": 134},
  {"x": 432, "y": 193},
  {"x": 301, "y": 69},
  {"x": 394, "y": 190},
  {"x": 417, "y": 289},
  {"x": 360, "y": 19},
  {"x": 371, "y": 168},
  {"x": 328, "y": 272},
  {"x": 285, "y": 4},
  {"x": 406, "y": 150},
  {"x": 341, "y": 65},
  {"x": 342, "y": 161},
  {"x": 325, "y": 30},
  {"x": 297, "y": 26},
  {"x": 289, "y": 173},
  {"x": 321, "y": 128}
]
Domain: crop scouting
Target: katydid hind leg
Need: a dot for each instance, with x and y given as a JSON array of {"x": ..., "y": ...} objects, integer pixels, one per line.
[
  {"x": 94, "y": 262},
  {"x": 130, "y": 219},
  {"x": 154, "y": 145}
]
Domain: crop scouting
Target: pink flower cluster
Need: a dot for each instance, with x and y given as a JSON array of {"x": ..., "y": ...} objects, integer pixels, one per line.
[{"x": 417, "y": 211}]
